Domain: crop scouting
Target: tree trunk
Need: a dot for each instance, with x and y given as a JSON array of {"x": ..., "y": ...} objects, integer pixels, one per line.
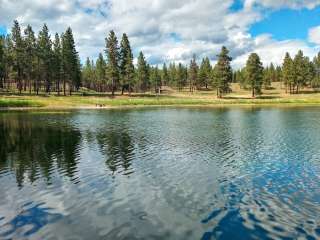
[{"x": 112, "y": 87}]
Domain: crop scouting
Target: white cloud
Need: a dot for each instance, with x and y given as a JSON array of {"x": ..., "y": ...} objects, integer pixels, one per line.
[
  {"x": 274, "y": 51},
  {"x": 165, "y": 30},
  {"x": 314, "y": 35},
  {"x": 277, "y": 4}
]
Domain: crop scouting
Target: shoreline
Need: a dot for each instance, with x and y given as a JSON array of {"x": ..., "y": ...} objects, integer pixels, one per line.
[{"x": 199, "y": 106}]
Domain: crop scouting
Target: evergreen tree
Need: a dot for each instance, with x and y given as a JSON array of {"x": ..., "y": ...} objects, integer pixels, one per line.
[
  {"x": 45, "y": 54},
  {"x": 70, "y": 62},
  {"x": 310, "y": 72},
  {"x": 316, "y": 80},
  {"x": 57, "y": 62},
  {"x": 2, "y": 62},
  {"x": 155, "y": 79},
  {"x": 180, "y": 76},
  {"x": 272, "y": 73},
  {"x": 193, "y": 73},
  {"x": 205, "y": 73},
  {"x": 288, "y": 72},
  {"x": 164, "y": 75},
  {"x": 142, "y": 73},
  {"x": 87, "y": 76},
  {"x": 254, "y": 73},
  {"x": 112, "y": 51},
  {"x": 223, "y": 72},
  {"x": 278, "y": 74},
  {"x": 126, "y": 62},
  {"x": 101, "y": 72},
  {"x": 300, "y": 70},
  {"x": 173, "y": 74},
  {"x": 17, "y": 54},
  {"x": 267, "y": 77},
  {"x": 30, "y": 55},
  {"x": 241, "y": 78}
]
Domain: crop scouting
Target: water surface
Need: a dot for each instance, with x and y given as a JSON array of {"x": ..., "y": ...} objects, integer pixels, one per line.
[{"x": 231, "y": 173}]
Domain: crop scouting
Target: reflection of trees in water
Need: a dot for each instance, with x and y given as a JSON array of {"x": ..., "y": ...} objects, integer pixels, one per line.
[
  {"x": 118, "y": 147},
  {"x": 30, "y": 148}
]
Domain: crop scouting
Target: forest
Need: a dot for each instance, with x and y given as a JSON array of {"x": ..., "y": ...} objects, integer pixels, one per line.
[{"x": 40, "y": 63}]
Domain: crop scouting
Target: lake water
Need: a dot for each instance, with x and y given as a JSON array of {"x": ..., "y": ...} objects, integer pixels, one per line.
[{"x": 230, "y": 173}]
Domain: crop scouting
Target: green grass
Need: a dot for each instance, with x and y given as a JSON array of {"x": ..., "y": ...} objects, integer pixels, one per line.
[
  {"x": 19, "y": 103},
  {"x": 198, "y": 99}
]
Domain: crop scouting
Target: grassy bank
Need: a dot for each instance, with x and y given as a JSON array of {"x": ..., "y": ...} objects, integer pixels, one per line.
[
  {"x": 274, "y": 96},
  {"x": 19, "y": 103},
  {"x": 106, "y": 102}
]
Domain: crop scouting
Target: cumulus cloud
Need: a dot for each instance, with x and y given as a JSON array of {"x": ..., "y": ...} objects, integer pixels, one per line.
[
  {"x": 165, "y": 30},
  {"x": 276, "y": 4},
  {"x": 314, "y": 35},
  {"x": 274, "y": 51}
]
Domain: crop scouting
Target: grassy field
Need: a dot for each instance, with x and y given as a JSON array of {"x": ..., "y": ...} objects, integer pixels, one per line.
[{"x": 274, "y": 96}]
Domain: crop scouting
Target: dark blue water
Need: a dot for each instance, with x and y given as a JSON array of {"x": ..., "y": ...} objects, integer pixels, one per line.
[{"x": 236, "y": 173}]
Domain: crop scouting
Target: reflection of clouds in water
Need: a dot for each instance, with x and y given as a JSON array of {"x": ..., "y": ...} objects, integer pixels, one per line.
[
  {"x": 29, "y": 221},
  {"x": 237, "y": 170}
]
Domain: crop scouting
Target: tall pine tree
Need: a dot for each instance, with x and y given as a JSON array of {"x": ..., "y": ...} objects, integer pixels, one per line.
[
  {"x": 112, "y": 52},
  {"x": 142, "y": 73},
  {"x": 223, "y": 72},
  {"x": 126, "y": 63},
  {"x": 254, "y": 73},
  {"x": 193, "y": 73}
]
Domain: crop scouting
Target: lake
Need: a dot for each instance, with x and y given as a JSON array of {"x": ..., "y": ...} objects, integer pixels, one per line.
[{"x": 225, "y": 173}]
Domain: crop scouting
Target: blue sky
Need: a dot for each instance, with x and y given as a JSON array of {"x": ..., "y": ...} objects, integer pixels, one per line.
[
  {"x": 287, "y": 23},
  {"x": 3, "y": 30},
  {"x": 175, "y": 30}
]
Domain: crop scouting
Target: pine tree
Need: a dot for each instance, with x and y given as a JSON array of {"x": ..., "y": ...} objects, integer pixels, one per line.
[
  {"x": 310, "y": 72},
  {"x": 57, "y": 62},
  {"x": 155, "y": 79},
  {"x": 45, "y": 54},
  {"x": 272, "y": 73},
  {"x": 193, "y": 73},
  {"x": 254, "y": 73},
  {"x": 126, "y": 63},
  {"x": 164, "y": 75},
  {"x": 142, "y": 73},
  {"x": 112, "y": 52},
  {"x": 17, "y": 54},
  {"x": 241, "y": 78},
  {"x": 2, "y": 61},
  {"x": 299, "y": 70},
  {"x": 30, "y": 55},
  {"x": 180, "y": 76},
  {"x": 204, "y": 73},
  {"x": 278, "y": 74},
  {"x": 87, "y": 78},
  {"x": 288, "y": 72},
  {"x": 267, "y": 77},
  {"x": 316, "y": 80},
  {"x": 223, "y": 72},
  {"x": 70, "y": 62},
  {"x": 173, "y": 75},
  {"x": 101, "y": 72}
]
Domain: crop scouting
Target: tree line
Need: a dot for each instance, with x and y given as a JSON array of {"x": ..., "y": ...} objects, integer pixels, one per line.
[{"x": 38, "y": 63}]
